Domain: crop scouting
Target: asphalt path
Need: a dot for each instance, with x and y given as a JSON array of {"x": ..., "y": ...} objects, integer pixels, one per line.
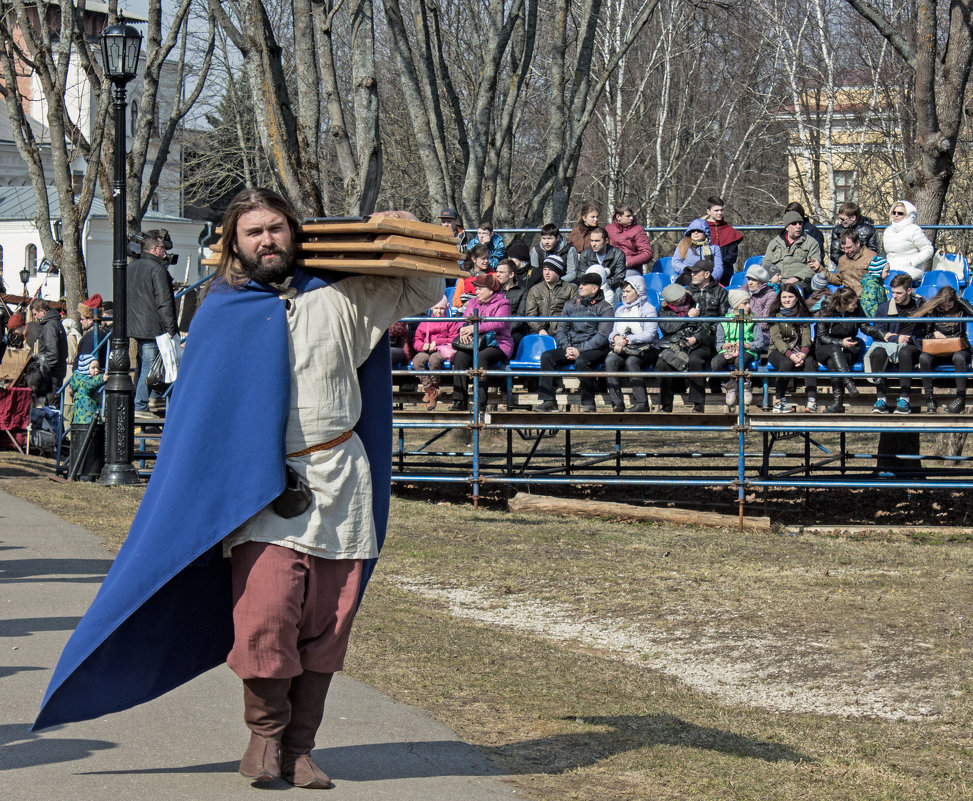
[{"x": 186, "y": 744}]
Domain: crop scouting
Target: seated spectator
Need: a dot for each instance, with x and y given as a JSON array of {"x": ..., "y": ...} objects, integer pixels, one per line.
[
  {"x": 729, "y": 344},
  {"x": 852, "y": 264},
  {"x": 551, "y": 243},
  {"x": 630, "y": 238},
  {"x": 494, "y": 344},
  {"x": 633, "y": 344},
  {"x": 836, "y": 344},
  {"x": 850, "y": 219},
  {"x": 790, "y": 349},
  {"x": 580, "y": 236},
  {"x": 485, "y": 236},
  {"x": 433, "y": 346},
  {"x": 679, "y": 332},
  {"x": 519, "y": 254},
  {"x": 607, "y": 259},
  {"x": 582, "y": 342},
  {"x": 477, "y": 262},
  {"x": 694, "y": 245},
  {"x": 874, "y": 293},
  {"x": 820, "y": 293},
  {"x": 516, "y": 294},
  {"x": 952, "y": 340},
  {"x": 448, "y": 218},
  {"x": 792, "y": 257},
  {"x": 722, "y": 235},
  {"x": 762, "y": 297},
  {"x": 810, "y": 229},
  {"x": 86, "y": 381},
  {"x": 906, "y": 247},
  {"x": 712, "y": 301},
  {"x": 547, "y": 299},
  {"x": 400, "y": 340},
  {"x": 896, "y": 342}
]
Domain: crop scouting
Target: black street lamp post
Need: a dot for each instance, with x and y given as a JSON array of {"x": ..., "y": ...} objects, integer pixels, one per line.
[{"x": 120, "y": 46}]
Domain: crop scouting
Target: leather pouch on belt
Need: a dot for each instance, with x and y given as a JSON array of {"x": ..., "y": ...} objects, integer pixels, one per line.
[{"x": 296, "y": 497}]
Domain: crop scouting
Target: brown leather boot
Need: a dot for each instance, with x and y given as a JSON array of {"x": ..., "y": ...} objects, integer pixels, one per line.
[
  {"x": 307, "y": 696},
  {"x": 266, "y": 711}
]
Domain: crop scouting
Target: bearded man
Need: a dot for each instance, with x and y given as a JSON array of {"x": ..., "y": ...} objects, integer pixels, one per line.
[{"x": 287, "y": 375}]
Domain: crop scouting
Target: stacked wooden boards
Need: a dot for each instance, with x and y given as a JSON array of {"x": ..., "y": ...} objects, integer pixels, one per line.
[{"x": 381, "y": 245}]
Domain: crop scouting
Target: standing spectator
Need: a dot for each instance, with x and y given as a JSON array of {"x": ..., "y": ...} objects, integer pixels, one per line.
[
  {"x": 494, "y": 345},
  {"x": 633, "y": 345},
  {"x": 790, "y": 349},
  {"x": 946, "y": 303},
  {"x": 547, "y": 299},
  {"x": 695, "y": 245},
  {"x": 722, "y": 235},
  {"x": 448, "y": 218},
  {"x": 906, "y": 247},
  {"x": 792, "y": 257},
  {"x": 729, "y": 342},
  {"x": 853, "y": 262},
  {"x": 94, "y": 337},
  {"x": 630, "y": 238},
  {"x": 850, "y": 219},
  {"x": 608, "y": 259},
  {"x": 433, "y": 347},
  {"x": 151, "y": 308},
  {"x": 896, "y": 342},
  {"x": 810, "y": 229},
  {"x": 85, "y": 382},
  {"x": 551, "y": 243},
  {"x": 485, "y": 236},
  {"x": 762, "y": 296},
  {"x": 580, "y": 236},
  {"x": 50, "y": 351},
  {"x": 583, "y": 342},
  {"x": 837, "y": 345}
]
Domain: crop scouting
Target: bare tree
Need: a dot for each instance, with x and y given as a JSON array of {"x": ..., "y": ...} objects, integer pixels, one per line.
[
  {"x": 38, "y": 43},
  {"x": 303, "y": 112}
]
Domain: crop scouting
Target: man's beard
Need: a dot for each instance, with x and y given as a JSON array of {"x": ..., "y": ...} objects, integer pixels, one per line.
[{"x": 268, "y": 271}]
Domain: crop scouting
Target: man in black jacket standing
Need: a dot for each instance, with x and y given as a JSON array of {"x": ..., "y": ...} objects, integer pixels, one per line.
[
  {"x": 51, "y": 351},
  {"x": 151, "y": 307}
]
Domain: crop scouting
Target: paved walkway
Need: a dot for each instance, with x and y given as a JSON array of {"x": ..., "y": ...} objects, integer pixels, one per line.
[{"x": 186, "y": 744}]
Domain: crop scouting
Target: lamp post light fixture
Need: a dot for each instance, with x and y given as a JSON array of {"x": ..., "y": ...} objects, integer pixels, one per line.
[
  {"x": 120, "y": 46},
  {"x": 24, "y": 278}
]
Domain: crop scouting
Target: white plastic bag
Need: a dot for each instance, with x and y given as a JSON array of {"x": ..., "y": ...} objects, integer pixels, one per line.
[{"x": 170, "y": 355}]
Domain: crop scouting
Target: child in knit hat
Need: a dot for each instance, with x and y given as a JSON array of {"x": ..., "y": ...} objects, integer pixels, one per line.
[
  {"x": 84, "y": 386},
  {"x": 730, "y": 337}
]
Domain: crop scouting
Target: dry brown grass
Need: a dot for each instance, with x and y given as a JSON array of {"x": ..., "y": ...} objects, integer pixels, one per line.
[{"x": 458, "y": 620}]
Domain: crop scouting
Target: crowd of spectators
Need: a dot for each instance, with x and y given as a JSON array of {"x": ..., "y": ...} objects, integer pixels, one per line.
[{"x": 597, "y": 277}]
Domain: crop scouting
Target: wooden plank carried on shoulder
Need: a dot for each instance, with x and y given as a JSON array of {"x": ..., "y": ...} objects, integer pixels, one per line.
[{"x": 385, "y": 264}]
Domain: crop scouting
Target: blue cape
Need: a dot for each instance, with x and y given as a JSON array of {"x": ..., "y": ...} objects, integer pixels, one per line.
[{"x": 163, "y": 614}]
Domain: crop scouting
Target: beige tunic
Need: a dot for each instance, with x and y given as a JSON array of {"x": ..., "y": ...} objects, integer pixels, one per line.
[{"x": 331, "y": 331}]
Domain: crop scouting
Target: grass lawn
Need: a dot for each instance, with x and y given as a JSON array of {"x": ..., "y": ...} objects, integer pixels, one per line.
[{"x": 602, "y": 660}]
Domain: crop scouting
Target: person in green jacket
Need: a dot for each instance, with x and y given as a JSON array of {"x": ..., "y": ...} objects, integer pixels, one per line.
[
  {"x": 728, "y": 344},
  {"x": 793, "y": 257}
]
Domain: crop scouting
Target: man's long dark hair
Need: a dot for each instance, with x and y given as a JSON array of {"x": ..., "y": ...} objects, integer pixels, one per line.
[{"x": 229, "y": 271}]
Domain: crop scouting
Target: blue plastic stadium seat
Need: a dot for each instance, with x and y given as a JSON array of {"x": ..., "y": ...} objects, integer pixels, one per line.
[
  {"x": 939, "y": 278},
  {"x": 528, "y": 355},
  {"x": 662, "y": 265},
  {"x": 752, "y": 261},
  {"x": 657, "y": 281},
  {"x": 892, "y": 274},
  {"x": 737, "y": 281}
]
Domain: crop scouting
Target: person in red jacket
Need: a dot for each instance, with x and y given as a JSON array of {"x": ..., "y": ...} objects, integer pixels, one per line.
[
  {"x": 630, "y": 238},
  {"x": 724, "y": 235}
]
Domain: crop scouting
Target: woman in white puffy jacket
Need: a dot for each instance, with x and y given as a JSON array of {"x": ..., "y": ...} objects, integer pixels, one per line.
[{"x": 906, "y": 248}]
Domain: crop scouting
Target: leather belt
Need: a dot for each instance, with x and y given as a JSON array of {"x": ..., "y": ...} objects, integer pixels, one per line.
[{"x": 331, "y": 443}]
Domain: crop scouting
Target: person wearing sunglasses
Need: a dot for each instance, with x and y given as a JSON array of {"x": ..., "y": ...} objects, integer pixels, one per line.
[{"x": 907, "y": 249}]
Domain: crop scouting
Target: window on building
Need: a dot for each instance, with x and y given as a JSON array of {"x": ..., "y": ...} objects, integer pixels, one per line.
[
  {"x": 844, "y": 187},
  {"x": 154, "y": 203},
  {"x": 135, "y": 116},
  {"x": 30, "y": 259}
]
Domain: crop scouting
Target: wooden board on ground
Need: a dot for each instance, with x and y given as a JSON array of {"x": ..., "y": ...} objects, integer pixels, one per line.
[{"x": 541, "y": 504}]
